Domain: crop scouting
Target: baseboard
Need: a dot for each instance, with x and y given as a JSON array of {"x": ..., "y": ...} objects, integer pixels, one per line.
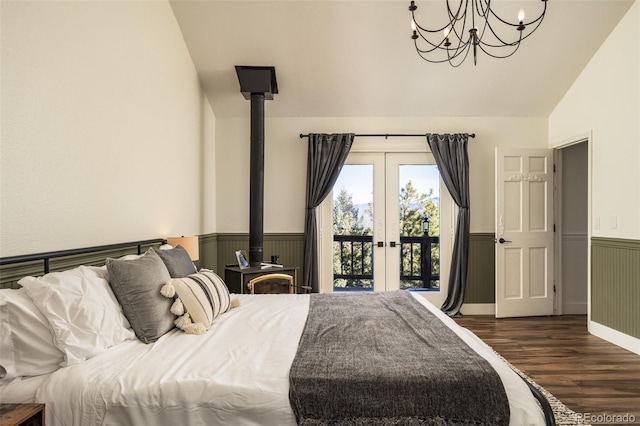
[
  {"x": 576, "y": 308},
  {"x": 478, "y": 309},
  {"x": 625, "y": 341}
]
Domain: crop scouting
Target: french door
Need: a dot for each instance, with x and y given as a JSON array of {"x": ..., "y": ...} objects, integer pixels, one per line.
[{"x": 372, "y": 225}]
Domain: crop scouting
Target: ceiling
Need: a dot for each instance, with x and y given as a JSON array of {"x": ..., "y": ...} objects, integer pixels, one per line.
[{"x": 337, "y": 58}]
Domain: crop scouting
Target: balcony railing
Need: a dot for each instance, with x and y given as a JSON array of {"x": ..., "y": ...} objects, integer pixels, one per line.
[
  {"x": 356, "y": 257},
  {"x": 356, "y": 252}
]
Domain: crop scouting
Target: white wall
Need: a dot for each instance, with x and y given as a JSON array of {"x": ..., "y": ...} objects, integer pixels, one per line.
[
  {"x": 286, "y": 159},
  {"x": 104, "y": 125},
  {"x": 605, "y": 99},
  {"x": 209, "y": 183}
]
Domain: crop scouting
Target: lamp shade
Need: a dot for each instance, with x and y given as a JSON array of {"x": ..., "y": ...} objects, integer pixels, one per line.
[{"x": 189, "y": 243}]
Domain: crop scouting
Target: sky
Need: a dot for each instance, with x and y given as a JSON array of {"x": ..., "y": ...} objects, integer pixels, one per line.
[{"x": 358, "y": 180}]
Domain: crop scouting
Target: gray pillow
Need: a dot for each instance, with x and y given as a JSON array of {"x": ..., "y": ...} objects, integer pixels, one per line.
[
  {"x": 136, "y": 284},
  {"x": 177, "y": 261}
]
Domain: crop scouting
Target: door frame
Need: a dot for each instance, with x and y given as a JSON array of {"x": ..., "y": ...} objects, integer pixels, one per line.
[
  {"x": 406, "y": 145},
  {"x": 557, "y": 147}
]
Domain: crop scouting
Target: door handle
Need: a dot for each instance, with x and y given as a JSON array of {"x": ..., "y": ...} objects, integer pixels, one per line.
[
  {"x": 380, "y": 243},
  {"x": 502, "y": 241},
  {"x": 392, "y": 244}
]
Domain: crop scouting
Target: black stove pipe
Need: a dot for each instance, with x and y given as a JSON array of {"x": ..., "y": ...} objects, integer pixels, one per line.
[
  {"x": 257, "y": 84},
  {"x": 256, "y": 182}
]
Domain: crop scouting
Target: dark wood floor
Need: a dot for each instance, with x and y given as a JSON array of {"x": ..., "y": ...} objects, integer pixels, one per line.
[{"x": 586, "y": 373}]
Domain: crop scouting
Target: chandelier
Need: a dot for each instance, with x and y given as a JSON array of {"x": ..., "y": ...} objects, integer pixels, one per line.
[{"x": 472, "y": 25}]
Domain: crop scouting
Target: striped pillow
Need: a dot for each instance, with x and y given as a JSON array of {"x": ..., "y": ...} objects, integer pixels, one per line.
[{"x": 199, "y": 299}]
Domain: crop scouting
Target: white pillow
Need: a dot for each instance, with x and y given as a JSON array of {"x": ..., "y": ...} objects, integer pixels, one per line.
[
  {"x": 26, "y": 342},
  {"x": 7, "y": 359},
  {"x": 82, "y": 311}
]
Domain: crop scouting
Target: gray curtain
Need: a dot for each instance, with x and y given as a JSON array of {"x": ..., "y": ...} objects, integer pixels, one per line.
[
  {"x": 326, "y": 156},
  {"x": 452, "y": 157}
]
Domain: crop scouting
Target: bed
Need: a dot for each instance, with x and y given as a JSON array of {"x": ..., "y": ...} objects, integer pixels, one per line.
[{"x": 239, "y": 371}]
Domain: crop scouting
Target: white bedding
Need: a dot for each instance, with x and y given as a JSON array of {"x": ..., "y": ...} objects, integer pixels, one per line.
[
  {"x": 21, "y": 391},
  {"x": 237, "y": 374}
]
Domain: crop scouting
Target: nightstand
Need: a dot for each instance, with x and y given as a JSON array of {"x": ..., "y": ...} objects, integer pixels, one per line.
[
  {"x": 22, "y": 414},
  {"x": 237, "y": 278}
]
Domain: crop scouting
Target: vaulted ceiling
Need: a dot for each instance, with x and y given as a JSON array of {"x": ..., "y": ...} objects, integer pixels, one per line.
[{"x": 337, "y": 58}]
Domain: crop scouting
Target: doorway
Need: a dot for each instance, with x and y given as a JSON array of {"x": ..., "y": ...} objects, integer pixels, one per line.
[
  {"x": 380, "y": 209},
  {"x": 573, "y": 236}
]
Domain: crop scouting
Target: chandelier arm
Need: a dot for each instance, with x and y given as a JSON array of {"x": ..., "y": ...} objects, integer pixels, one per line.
[
  {"x": 533, "y": 30},
  {"x": 454, "y": 30},
  {"x": 539, "y": 18},
  {"x": 517, "y": 46},
  {"x": 514, "y": 43},
  {"x": 484, "y": 6},
  {"x": 504, "y": 43},
  {"x": 418, "y": 26},
  {"x": 467, "y": 49},
  {"x": 461, "y": 46},
  {"x": 459, "y": 50},
  {"x": 428, "y": 50},
  {"x": 429, "y": 42},
  {"x": 458, "y": 16},
  {"x": 440, "y": 61}
]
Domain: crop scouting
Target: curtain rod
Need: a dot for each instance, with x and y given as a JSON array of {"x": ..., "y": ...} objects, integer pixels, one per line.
[{"x": 387, "y": 135}]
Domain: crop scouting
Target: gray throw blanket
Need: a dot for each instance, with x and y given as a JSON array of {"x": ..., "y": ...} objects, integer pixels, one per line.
[{"x": 384, "y": 359}]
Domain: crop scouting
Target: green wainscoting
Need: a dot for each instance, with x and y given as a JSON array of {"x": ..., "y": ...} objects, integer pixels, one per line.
[
  {"x": 481, "y": 270},
  {"x": 218, "y": 250},
  {"x": 615, "y": 284},
  {"x": 208, "y": 252}
]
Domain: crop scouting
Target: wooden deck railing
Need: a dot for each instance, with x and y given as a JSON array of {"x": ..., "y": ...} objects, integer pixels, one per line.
[{"x": 356, "y": 258}]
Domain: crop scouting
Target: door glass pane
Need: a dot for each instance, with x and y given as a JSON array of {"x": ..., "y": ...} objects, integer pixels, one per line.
[
  {"x": 419, "y": 207},
  {"x": 353, "y": 229}
]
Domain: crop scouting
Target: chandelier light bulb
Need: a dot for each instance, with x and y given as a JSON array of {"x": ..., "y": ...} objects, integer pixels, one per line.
[
  {"x": 413, "y": 25},
  {"x": 521, "y": 15},
  {"x": 446, "y": 32}
]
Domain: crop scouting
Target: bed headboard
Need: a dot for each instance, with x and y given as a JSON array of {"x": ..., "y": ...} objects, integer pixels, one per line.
[{"x": 12, "y": 268}]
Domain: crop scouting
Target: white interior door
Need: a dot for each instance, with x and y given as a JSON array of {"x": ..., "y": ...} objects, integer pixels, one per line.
[{"x": 524, "y": 232}]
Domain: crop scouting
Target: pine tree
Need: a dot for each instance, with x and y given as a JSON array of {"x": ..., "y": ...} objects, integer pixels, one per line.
[
  {"x": 412, "y": 207},
  {"x": 347, "y": 221}
]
